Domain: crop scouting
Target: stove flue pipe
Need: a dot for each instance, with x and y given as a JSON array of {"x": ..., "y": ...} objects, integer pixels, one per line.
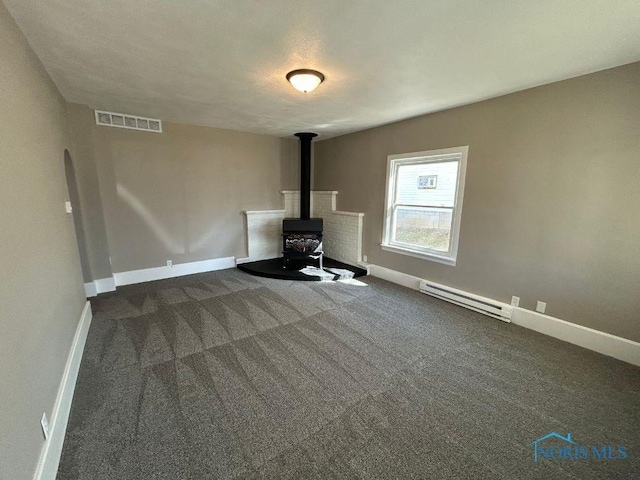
[{"x": 305, "y": 173}]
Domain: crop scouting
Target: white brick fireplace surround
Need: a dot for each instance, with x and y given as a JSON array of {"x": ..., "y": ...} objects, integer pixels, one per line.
[{"x": 342, "y": 235}]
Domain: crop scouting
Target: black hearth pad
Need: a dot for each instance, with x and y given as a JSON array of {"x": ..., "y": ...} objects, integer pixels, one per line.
[{"x": 272, "y": 268}]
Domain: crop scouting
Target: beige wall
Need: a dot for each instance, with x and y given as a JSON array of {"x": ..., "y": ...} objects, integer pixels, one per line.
[
  {"x": 95, "y": 232},
  {"x": 179, "y": 195},
  {"x": 551, "y": 200},
  {"x": 41, "y": 296},
  {"x": 76, "y": 210}
]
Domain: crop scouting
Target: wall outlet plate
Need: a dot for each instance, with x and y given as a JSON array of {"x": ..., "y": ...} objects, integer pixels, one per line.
[
  {"x": 515, "y": 301},
  {"x": 364, "y": 258},
  {"x": 67, "y": 207},
  {"x": 44, "y": 423},
  {"x": 169, "y": 263},
  {"x": 541, "y": 306}
]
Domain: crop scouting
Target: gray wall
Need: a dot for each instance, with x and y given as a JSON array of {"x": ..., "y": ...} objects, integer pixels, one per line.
[
  {"x": 551, "y": 199},
  {"x": 178, "y": 195},
  {"x": 41, "y": 293}
]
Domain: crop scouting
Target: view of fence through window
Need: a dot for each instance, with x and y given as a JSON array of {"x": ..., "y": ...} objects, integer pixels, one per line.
[
  {"x": 427, "y": 227},
  {"x": 423, "y": 207}
]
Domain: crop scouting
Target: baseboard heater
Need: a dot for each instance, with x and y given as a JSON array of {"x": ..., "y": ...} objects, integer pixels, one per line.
[{"x": 486, "y": 306}]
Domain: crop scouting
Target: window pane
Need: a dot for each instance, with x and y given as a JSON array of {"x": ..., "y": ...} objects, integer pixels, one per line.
[
  {"x": 424, "y": 227},
  {"x": 428, "y": 184}
]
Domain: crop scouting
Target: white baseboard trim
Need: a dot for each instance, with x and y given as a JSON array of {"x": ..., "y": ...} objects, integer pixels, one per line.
[
  {"x": 242, "y": 260},
  {"x": 365, "y": 265},
  {"x": 101, "y": 285},
  {"x": 394, "y": 276},
  {"x": 90, "y": 289},
  {"x": 601, "y": 342},
  {"x": 177, "y": 270},
  {"x": 105, "y": 284},
  {"x": 52, "y": 449}
]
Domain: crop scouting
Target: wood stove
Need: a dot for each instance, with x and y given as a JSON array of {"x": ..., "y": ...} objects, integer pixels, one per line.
[
  {"x": 301, "y": 241},
  {"x": 302, "y": 237}
]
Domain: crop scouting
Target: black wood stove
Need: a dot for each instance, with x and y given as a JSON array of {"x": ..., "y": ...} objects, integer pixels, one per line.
[{"x": 302, "y": 237}]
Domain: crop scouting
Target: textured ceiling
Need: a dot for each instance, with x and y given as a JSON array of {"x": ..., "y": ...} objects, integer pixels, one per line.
[{"x": 223, "y": 63}]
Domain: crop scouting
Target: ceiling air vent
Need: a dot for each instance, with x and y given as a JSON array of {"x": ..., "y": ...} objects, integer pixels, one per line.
[{"x": 120, "y": 120}]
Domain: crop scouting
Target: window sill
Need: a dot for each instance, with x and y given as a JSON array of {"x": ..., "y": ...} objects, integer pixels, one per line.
[{"x": 418, "y": 254}]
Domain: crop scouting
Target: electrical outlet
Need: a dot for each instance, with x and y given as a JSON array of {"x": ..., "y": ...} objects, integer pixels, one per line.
[
  {"x": 364, "y": 258},
  {"x": 169, "y": 263},
  {"x": 541, "y": 306},
  {"x": 515, "y": 301},
  {"x": 44, "y": 423},
  {"x": 67, "y": 207}
]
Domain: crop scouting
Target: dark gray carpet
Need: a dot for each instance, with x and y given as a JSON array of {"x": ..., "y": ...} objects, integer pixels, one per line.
[{"x": 224, "y": 375}]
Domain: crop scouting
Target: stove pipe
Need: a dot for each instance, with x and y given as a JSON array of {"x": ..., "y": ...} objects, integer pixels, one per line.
[{"x": 305, "y": 173}]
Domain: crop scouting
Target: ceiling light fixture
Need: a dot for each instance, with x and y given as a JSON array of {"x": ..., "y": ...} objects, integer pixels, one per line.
[{"x": 305, "y": 80}]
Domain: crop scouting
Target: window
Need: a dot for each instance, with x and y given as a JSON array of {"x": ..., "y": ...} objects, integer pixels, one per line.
[{"x": 424, "y": 203}]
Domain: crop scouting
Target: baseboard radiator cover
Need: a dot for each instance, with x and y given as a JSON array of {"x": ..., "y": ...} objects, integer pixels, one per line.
[
  {"x": 595, "y": 340},
  {"x": 483, "y": 305}
]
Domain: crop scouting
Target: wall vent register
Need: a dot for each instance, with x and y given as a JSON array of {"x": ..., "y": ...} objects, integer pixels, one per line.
[{"x": 120, "y": 120}]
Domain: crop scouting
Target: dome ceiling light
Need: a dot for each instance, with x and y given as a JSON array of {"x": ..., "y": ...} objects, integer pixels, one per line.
[{"x": 305, "y": 80}]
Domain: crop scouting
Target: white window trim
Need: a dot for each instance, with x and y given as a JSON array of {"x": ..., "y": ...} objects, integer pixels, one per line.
[{"x": 393, "y": 162}]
